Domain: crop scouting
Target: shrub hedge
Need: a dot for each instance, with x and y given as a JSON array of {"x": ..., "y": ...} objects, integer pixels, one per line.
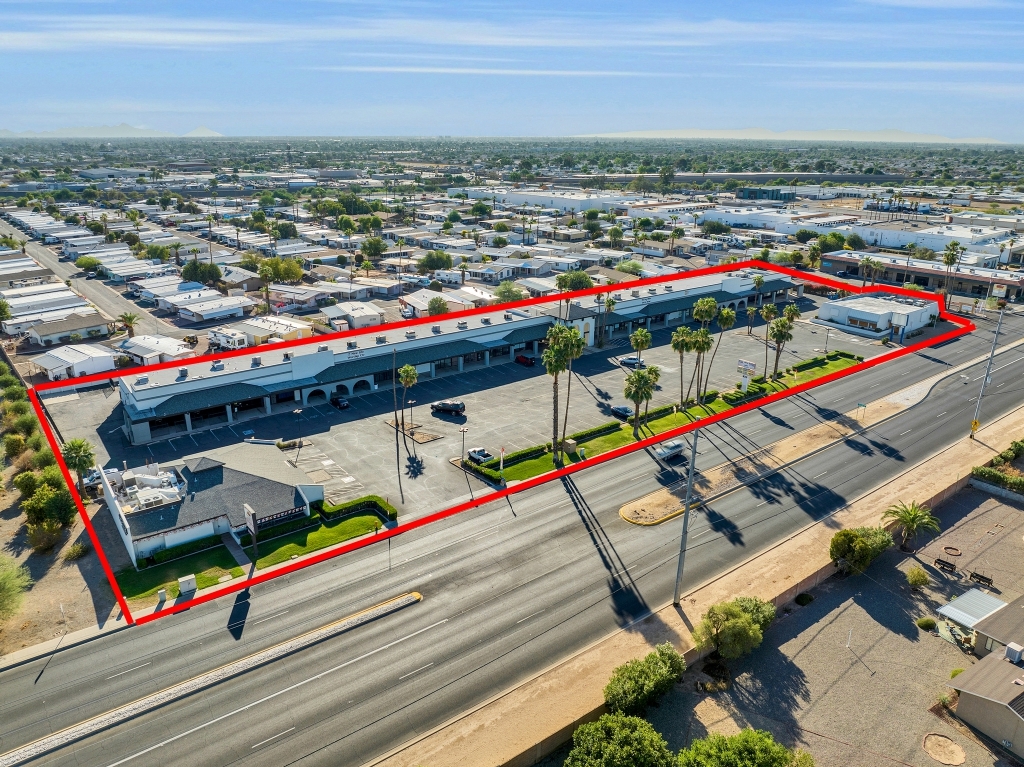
[
  {"x": 366, "y": 503},
  {"x": 637, "y": 683},
  {"x": 166, "y": 555},
  {"x": 313, "y": 520},
  {"x": 598, "y": 431}
]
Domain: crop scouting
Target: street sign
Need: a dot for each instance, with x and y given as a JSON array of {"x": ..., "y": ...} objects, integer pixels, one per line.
[
  {"x": 250, "y": 519},
  {"x": 975, "y": 424},
  {"x": 999, "y": 291},
  {"x": 746, "y": 367}
]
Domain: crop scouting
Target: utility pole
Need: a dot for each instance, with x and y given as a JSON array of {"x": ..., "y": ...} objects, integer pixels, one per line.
[
  {"x": 686, "y": 517},
  {"x": 984, "y": 380}
]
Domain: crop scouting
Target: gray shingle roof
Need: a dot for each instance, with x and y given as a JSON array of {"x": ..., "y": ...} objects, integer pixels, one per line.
[
  {"x": 369, "y": 365},
  {"x": 522, "y": 335},
  {"x": 198, "y": 400}
]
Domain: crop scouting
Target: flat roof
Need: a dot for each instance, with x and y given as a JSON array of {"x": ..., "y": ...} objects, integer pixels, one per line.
[{"x": 971, "y": 607}]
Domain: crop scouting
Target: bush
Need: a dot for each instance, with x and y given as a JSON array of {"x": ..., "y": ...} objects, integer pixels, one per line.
[
  {"x": 36, "y": 442},
  {"x": 589, "y": 434},
  {"x": 27, "y": 482},
  {"x": 60, "y": 508},
  {"x": 955, "y": 673},
  {"x": 34, "y": 506},
  {"x": 366, "y": 503},
  {"x": 7, "y": 381},
  {"x": 616, "y": 740},
  {"x": 490, "y": 475},
  {"x": 917, "y": 577},
  {"x": 926, "y": 624},
  {"x": 761, "y": 613},
  {"x": 853, "y": 550},
  {"x": 14, "y": 579},
  {"x": 17, "y": 408},
  {"x": 728, "y": 630},
  {"x": 14, "y": 393},
  {"x": 51, "y": 476},
  {"x": 26, "y": 424},
  {"x": 24, "y": 462},
  {"x": 747, "y": 748},
  {"x": 184, "y": 549},
  {"x": 14, "y": 445},
  {"x": 43, "y": 459},
  {"x": 43, "y": 536},
  {"x": 313, "y": 520},
  {"x": 637, "y": 683},
  {"x": 518, "y": 457},
  {"x": 804, "y": 599},
  {"x": 76, "y": 551}
]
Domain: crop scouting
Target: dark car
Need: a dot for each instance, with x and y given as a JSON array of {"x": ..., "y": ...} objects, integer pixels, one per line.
[
  {"x": 339, "y": 402},
  {"x": 529, "y": 362},
  {"x": 453, "y": 406},
  {"x": 842, "y": 274},
  {"x": 622, "y": 411},
  {"x": 632, "y": 361}
]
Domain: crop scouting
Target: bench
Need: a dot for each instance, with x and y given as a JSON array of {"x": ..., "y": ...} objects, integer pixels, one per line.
[
  {"x": 946, "y": 565},
  {"x": 982, "y": 579}
]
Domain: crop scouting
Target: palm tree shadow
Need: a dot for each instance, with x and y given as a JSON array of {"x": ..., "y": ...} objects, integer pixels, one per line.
[
  {"x": 414, "y": 466},
  {"x": 627, "y": 601}
]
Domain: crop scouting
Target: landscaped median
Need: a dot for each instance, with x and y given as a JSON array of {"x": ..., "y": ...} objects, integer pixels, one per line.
[
  {"x": 534, "y": 461},
  {"x": 325, "y": 526}
]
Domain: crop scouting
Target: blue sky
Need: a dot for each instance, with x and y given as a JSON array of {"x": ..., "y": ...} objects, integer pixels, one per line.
[{"x": 345, "y": 67}]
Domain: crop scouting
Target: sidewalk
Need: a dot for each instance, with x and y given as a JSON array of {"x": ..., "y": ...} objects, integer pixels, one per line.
[{"x": 522, "y": 725}]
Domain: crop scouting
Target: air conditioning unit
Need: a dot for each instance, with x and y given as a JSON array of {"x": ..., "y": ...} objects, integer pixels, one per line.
[
  {"x": 382, "y": 339},
  {"x": 142, "y": 380},
  {"x": 217, "y": 365},
  {"x": 463, "y": 325},
  {"x": 652, "y": 291},
  {"x": 508, "y": 315},
  {"x": 182, "y": 372},
  {"x": 1014, "y": 652},
  {"x": 352, "y": 345},
  {"x": 435, "y": 328},
  {"x": 668, "y": 288},
  {"x": 485, "y": 320},
  {"x": 257, "y": 361},
  {"x": 635, "y": 293},
  {"x": 287, "y": 356},
  {"x": 410, "y": 334},
  {"x": 322, "y": 348}
]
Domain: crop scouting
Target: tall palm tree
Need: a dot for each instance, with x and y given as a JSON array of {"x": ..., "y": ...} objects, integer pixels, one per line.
[
  {"x": 701, "y": 342},
  {"x": 653, "y": 376},
  {"x": 407, "y": 376},
  {"x": 781, "y": 332},
  {"x": 682, "y": 342},
  {"x": 705, "y": 310},
  {"x": 814, "y": 255},
  {"x": 758, "y": 282},
  {"x": 768, "y": 313},
  {"x": 266, "y": 275},
  {"x": 867, "y": 265},
  {"x": 640, "y": 339},
  {"x": 573, "y": 346},
  {"x": 176, "y": 247},
  {"x": 129, "y": 320},
  {"x": 791, "y": 312},
  {"x": 79, "y": 457},
  {"x": 950, "y": 258},
  {"x": 725, "y": 320},
  {"x": 912, "y": 519},
  {"x": 638, "y": 388},
  {"x": 555, "y": 363}
]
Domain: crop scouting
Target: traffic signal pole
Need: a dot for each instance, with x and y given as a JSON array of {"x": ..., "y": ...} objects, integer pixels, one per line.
[{"x": 975, "y": 423}]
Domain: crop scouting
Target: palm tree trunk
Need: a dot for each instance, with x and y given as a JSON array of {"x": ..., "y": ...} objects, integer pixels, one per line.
[
  {"x": 778, "y": 353},
  {"x": 568, "y": 390},
  {"x": 682, "y": 380},
  {"x": 712, "y": 362},
  {"x": 766, "y": 353},
  {"x": 689, "y": 388},
  {"x": 554, "y": 417},
  {"x": 636, "y": 419},
  {"x": 405, "y": 393}
]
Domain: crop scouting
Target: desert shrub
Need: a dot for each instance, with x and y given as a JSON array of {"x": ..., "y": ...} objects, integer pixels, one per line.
[
  {"x": 44, "y": 535},
  {"x": 955, "y": 673},
  {"x": 43, "y": 459},
  {"x": 14, "y": 579},
  {"x": 76, "y": 551},
  {"x": 34, "y": 506},
  {"x": 7, "y": 380},
  {"x": 917, "y": 577},
  {"x": 761, "y": 613},
  {"x": 26, "y": 483},
  {"x": 51, "y": 476},
  {"x": 14, "y": 393},
  {"x": 14, "y": 445},
  {"x": 60, "y": 507},
  {"x": 616, "y": 739},
  {"x": 747, "y": 748},
  {"x": 16, "y": 408},
  {"x": 727, "y": 629},
  {"x": 24, "y": 461},
  {"x": 804, "y": 599},
  {"x": 26, "y": 424},
  {"x": 637, "y": 683},
  {"x": 926, "y": 624},
  {"x": 4, "y": 369},
  {"x": 36, "y": 442},
  {"x": 853, "y": 550}
]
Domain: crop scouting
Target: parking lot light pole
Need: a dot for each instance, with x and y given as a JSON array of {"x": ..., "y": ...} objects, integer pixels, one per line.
[
  {"x": 463, "y": 456},
  {"x": 988, "y": 370},
  {"x": 686, "y": 517}
]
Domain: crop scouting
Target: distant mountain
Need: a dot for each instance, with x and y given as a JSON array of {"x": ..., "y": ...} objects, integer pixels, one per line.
[
  {"x": 124, "y": 130},
  {"x": 202, "y": 132},
  {"x": 763, "y": 134}
]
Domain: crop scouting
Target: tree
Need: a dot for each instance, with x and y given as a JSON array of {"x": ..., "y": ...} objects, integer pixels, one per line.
[
  {"x": 747, "y": 748},
  {"x": 14, "y": 580},
  {"x": 87, "y": 263},
  {"x": 437, "y": 305},
  {"x": 640, "y": 339},
  {"x": 639, "y": 388},
  {"x": 407, "y": 376},
  {"x": 615, "y": 237},
  {"x": 616, "y": 740},
  {"x": 129, "y": 320},
  {"x": 501, "y": 227},
  {"x": 758, "y": 282},
  {"x": 780, "y": 331},
  {"x": 373, "y": 248},
  {"x": 507, "y": 292},
  {"x": 266, "y": 274},
  {"x": 434, "y": 260},
  {"x": 555, "y": 363},
  {"x": 803, "y": 236},
  {"x": 714, "y": 227},
  {"x": 791, "y": 312},
  {"x": 761, "y": 612},
  {"x": 950, "y": 258},
  {"x": 573, "y": 345},
  {"x": 80, "y": 458},
  {"x": 573, "y": 280},
  {"x": 725, "y": 320},
  {"x": 499, "y": 242},
  {"x": 853, "y": 550},
  {"x": 768, "y": 313},
  {"x": 814, "y": 255},
  {"x": 912, "y": 519},
  {"x": 5, "y": 310},
  {"x": 654, "y": 375},
  {"x": 200, "y": 271},
  {"x": 682, "y": 342},
  {"x": 639, "y": 682},
  {"x": 480, "y": 208},
  {"x": 630, "y": 267},
  {"x": 728, "y": 630},
  {"x": 856, "y": 242},
  {"x": 701, "y": 342}
]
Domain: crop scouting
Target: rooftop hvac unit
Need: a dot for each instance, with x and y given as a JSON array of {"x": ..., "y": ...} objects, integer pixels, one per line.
[
  {"x": 463, "y": 325},
  {"x": 485, "y": 320},
  {"x": 217, "y": 365},
  {"x": 353, "y": 345},
  {"x": 436, "y": 328},
  {"x": 635, "y": 293},
  {"x": 182, "y": 372},
  {"x": 410, "y": 334},
  {"x": 322, "y": 348},
  {"x": 1014, "y": 652},
  {"x": 287, "y": 356},
  {"x": 668, "y": 288},
  {"x": 257, "y": 361},
  {"x": 508, "y": 315},
  {"x": 142, "y": 380},
  {"x": 382, "y": 339}
]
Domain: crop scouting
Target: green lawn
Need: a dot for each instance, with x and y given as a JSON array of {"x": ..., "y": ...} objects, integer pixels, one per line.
[
  {"x": 209, "y": 566},
  {"x": 809, "y": 374},
  {"x": 301, "y": 542}
]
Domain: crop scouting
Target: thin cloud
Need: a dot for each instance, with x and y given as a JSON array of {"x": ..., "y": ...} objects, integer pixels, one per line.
[{"x": 493, "y": 71}]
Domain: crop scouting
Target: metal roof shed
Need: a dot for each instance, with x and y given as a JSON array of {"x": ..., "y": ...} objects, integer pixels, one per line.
[{"x": 971, "y": 608}]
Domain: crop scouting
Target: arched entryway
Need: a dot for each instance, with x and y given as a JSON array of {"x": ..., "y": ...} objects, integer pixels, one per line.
[
  {"x": 362, "y": 385},
  {"x": 316, "y": 397},
  {"x": 342, "y": 389}
]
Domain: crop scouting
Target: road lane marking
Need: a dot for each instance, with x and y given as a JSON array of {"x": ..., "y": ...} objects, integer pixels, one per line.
[
  {"x": 762, "y": 503},
  {"x": 530, "y": 616},
  {"x": 904, "y": 432},
  {"x": 185, "y": 689},
  {"x": 820, "y": 475},
  {"x": 416, "y": 671},
  {"x": 269, "y": 617},
  {"x": 942, "y": 414},
  {"x": 129, "y": 670},
  {"x": 273, "y": 737}
]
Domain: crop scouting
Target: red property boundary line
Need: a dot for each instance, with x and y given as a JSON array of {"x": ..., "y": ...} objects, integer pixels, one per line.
[{"x": 963, "y": 325}]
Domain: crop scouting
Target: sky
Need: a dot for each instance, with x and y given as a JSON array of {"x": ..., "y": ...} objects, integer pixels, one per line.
[{"x": 523, "y": 68}]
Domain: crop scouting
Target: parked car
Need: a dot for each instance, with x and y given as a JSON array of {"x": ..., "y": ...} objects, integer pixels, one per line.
[
  {"x": 339, "y": 402},
  {"x": 479, "y": 455},
  {"x": 453, "y": 406},
  {"x": 622, "y": 411},
  {"x": 92, "y": 479},
  {"x": 668, "y": 450},
  {"x": 842, "y": 274},
  {"x": 408, "y": 312},
  {"x": 529, "y": 362},
  {"x": 632, "y": 361}
]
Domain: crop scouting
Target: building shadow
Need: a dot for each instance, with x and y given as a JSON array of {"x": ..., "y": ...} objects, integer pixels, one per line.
[{"x": 239, "y": 614}]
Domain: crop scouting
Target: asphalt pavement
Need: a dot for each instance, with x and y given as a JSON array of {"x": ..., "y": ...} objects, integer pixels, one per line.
[{"x": 508, "y": 589}]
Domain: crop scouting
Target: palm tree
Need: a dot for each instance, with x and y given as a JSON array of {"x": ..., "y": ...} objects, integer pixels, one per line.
[
  {"x": 266, "y": 275},
  {"x": 176, "y": 247},
  {"x": 768, "y": 313},
  {"x": 555, "y": 364},
  {"x": 640, "y": 340},
  {"x": 104, "y": 219},
  {"x": 814, "y": 255},
  {"x": 573, "y": 345},
  {"x": 912, "y": 519},
  {"x": 950, "y": 258},
  {"x": 129, "y": 320},
  {"x": 726, "y": 319},
  {"x": 868, "y": 265},
  {"x": 653, "y": 376},
  {"x": 791, "y": 312},
  {"x": 682, "y": 342},
  {"x": 758, "y": 281},
  {"x": 705, "y": 310},
  {"x": 463, "y": 268},
  {"x": 609, "y": 306},
  {"x": 79, "y": 457},
  {"x": 23, "y": 243},
  {"x": 638, "y": 388},
  {"x": 780, "y": 331},
  {"x": 701, "y": 343},
  {"x": 407, "y": 376}
]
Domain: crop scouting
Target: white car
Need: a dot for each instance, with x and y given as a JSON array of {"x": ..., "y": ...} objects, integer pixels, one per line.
[
  {"x": 479, "y": 455},
  {"x": 668, "y": 450}
]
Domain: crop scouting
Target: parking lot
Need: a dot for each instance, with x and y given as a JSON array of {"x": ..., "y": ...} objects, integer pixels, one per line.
[{"x": 507, "y": 405}]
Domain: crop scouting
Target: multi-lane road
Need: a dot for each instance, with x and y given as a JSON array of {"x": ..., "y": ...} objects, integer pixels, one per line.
[{"x": 507, "y": 590}]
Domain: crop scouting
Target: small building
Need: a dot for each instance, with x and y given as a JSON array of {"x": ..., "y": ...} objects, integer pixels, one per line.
[
  {"x": 355, "y": 315},
  {"x": 419, "y": 301},
  {"x": 220, "y": 308},
  {"x": 992, "y": 697},
  {"x": 764, "y": 193},
  {"x": 877, "y": 316},
  {"x": 1000, "y": 628},
  {"x": 60, "y": 331},
  {"x": 261, "y": 330},
  {"x": 149, "y": 350},
  {"x": 288, "y": 298},
  {"x": 237, "y": 278},
  {"x": 970, "y": 608},
  {"x": 74, "y": 361}
]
